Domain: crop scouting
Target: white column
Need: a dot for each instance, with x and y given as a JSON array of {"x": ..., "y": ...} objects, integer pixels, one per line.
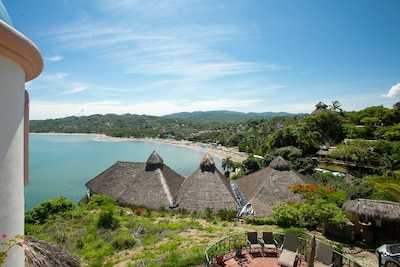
[
  {"x": 20, "y": 61},
  {"x": 12, "y": 95}
]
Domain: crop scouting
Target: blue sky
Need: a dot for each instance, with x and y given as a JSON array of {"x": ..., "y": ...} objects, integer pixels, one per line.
[{"x": 161, "y": 57}]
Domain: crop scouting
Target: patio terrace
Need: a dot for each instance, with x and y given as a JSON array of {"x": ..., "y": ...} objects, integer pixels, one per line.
[{"x": 233, "y": 251}]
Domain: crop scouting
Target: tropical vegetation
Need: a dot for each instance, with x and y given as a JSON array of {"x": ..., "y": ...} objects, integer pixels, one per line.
[
  {"x": 101, "y": 233},
  {"x": 365, "y": 144}
]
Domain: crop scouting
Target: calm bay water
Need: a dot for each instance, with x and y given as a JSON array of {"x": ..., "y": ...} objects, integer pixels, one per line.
[{"x": 61, "y": 164}]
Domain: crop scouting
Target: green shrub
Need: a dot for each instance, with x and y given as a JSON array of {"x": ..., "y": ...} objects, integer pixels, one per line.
[
  {"x": 194, "y": 215},
  {"x": 149, "y": 239},
  {"x": 260, "y": 221},
  {"x": 101, "y": 201},
  {"x": 237, "y": 176},
  {"x": 79, "y": 243},
  {"x": 384, "y": 187},
  {"x": 208, "y": 213},
  {"x": 123, "y": 241},
  {"x": 148, "y": 212},
  {"x": 358, "y": 188},
  {"x": 226, "y": 215},
  {"x": 162, "y": 211},
  {"x": 182, "y": 212},
  {"x": 181, "y": 259},
  {"x": 49, "y": 210},
  {"x": 107, "y": 220},
  {"x": 297, "y": 231},
  {"x": 286, "y": 214},
  {"x": 96, "y": 251}
]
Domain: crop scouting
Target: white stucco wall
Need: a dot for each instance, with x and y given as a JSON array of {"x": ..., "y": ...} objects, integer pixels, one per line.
[{"x": 12, "y": 95}]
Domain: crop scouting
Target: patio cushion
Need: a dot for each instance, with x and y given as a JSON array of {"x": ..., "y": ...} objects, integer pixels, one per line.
[{"x": 287, "y": 258}]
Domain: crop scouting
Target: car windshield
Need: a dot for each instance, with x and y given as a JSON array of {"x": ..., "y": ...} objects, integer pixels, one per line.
[{"x": 394, "y": 249}]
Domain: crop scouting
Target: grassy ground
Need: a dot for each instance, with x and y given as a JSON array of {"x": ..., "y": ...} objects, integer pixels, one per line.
[{"x": 104, "y": 234}]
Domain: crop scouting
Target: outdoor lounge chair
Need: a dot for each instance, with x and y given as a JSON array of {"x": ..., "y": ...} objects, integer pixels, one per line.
[
  {"x": 268, "y": 241},
  {"x": 324, "y": 256},
  {"x": 287, "y": 258},
  {"x": 290, "y": 242},
  {"x": 252, "y": 240},
  {"x": 288, "y": 254}
]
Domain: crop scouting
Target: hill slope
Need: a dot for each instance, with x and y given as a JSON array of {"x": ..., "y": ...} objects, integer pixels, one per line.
[{"x": 225, "y": 116}]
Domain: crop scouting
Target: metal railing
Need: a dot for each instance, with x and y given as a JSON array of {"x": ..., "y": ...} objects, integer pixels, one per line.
[
  {"x": 230, "y": 243},
  {"x": 224, "y": 246}
]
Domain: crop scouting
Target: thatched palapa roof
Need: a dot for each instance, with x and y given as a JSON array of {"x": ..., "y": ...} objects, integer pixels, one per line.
[
  {"x": 150, "y": 184},
  {"x": 154, "y": 161},
  {"x": 39, "y": 253},
  {"x": 324, "y": 151},
  {"x": 385, "y": 210},
  {"x": 269, "y": 186},
  {"x": 207, "y": 187},
  {"x": 279, "y": 164},
  {"x": 319, "y": 107}
]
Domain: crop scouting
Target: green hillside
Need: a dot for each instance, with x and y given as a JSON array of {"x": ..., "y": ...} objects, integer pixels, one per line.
[{"x": 225, "y": 116}]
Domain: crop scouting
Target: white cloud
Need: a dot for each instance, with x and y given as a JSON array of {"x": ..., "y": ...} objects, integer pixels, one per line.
[
  {"x": 49, "y": 110},
  {"x": 54, "y": 58},
  {"x": 181, "y": 50},
  {"x": 76, "y": 89},
  {"x": 394, "y": 91},
  {"x": 147, "y": 8},
  {"x": 173, "y": 60},
  {"x": 54, "y": 77}
]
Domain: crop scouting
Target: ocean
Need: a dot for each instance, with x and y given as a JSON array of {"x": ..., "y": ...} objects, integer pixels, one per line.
[{"x": 61, "y": 164}]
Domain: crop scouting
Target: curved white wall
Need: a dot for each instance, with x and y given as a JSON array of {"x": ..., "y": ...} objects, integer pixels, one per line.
[
  {"x": 20, "y": 61},
  {"x": 12, "y": 95}
]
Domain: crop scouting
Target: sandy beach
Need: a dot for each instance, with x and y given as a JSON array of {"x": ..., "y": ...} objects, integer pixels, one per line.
[{"x": 219, "y": 151}]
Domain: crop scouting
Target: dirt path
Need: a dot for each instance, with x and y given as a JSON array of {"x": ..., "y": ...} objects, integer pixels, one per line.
[{"x": 364, "y": 258}]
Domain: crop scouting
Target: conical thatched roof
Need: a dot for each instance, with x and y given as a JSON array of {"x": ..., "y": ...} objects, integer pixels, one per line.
[
  {"x": 155, "y": 160},
  {"x": 139, "y": 184},
  {"x": 385, "y": 210},
  {"x": 207, "y": 163},
  {"x": 319, "y": 107},
  {"x": 269, "y": 186},
  {"x": 207, "y": 187},
  {"x": 39, "y": 253},
  {"x": 279, "y": 164}
]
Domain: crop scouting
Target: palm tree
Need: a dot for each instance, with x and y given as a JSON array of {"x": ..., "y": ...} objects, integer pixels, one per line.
[
  {"x": 335, "y": 106},
  {"x": 390, "y": 166},
  {"x": 227, "y": 164}
]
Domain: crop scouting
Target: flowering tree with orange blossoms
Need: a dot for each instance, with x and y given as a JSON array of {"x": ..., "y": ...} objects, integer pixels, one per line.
[{"x": 311, "y": 192}]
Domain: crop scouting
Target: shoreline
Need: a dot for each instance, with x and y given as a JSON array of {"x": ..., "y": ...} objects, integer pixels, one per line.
[{"x": 219, "y": 151}]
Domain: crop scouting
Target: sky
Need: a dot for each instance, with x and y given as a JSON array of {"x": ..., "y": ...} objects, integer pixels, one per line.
[{"x": 163, "y": 57}]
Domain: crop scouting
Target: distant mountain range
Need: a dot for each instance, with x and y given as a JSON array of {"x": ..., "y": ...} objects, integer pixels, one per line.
[{"x": 225, "y": 116}]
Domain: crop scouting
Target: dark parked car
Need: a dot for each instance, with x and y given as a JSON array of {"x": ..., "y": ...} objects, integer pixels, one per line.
[{"x": 389, "y": 255}]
